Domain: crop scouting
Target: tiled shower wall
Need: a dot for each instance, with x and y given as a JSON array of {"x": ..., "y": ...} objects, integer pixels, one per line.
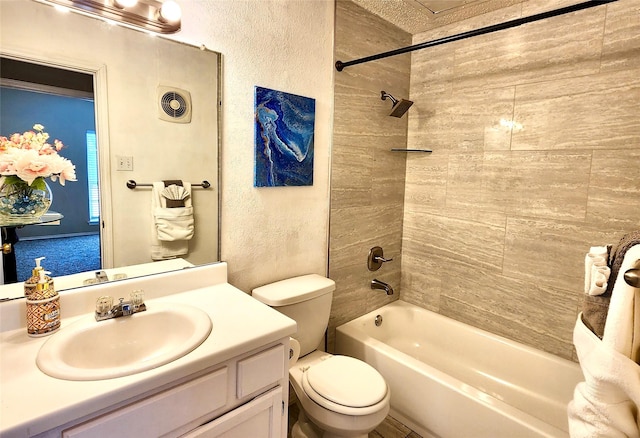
[
  {"x": 367, "y": 180},
  {"x": 536, "y": 140}
]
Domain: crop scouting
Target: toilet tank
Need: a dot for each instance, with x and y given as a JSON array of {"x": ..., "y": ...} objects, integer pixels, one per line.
[{"x": 305, "y": 299}]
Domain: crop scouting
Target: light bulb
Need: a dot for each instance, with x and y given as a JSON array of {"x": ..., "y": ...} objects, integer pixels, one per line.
[{"x": 170, "y": 12}]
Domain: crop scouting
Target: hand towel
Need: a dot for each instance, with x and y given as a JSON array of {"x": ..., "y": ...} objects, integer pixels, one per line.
[
  {"x": 596, "y": 271},
  {"x": 174, "y": 193},
  {"x": 606, "y": 403},
  {"x": 596, "y": 254},
  {"x": 595, "y": 304},
  {"x": 172, "y": 227}
]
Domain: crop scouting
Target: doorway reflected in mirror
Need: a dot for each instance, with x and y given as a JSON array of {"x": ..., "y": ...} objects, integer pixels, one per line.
[{"x": 63, "y": 102}]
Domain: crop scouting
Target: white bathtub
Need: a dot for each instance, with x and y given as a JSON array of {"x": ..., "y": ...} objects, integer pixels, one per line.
[{"x": 451, "y": 380}]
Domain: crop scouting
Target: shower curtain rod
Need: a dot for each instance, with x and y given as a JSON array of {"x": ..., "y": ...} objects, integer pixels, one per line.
[{"x": 484, "y": 30}]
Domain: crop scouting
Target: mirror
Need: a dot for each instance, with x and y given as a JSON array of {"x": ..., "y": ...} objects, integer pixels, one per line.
[{"x": 130, "y": 70}]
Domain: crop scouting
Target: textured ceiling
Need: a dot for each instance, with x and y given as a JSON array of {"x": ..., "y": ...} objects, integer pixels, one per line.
[{"x": 415, "y": 16}]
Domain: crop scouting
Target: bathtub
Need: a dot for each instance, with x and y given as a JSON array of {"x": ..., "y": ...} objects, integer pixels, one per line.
[{"x": 451, "y": 380}]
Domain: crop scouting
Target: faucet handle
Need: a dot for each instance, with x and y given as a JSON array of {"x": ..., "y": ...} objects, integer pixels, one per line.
[
  {"x": 376, "y": 258},
  {"x": 137, "y": 297},
  {"x": 104, "y": 304}
]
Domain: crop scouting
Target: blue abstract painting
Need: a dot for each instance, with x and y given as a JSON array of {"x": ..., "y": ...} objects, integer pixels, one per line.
[{"x": 284, "y": 139}]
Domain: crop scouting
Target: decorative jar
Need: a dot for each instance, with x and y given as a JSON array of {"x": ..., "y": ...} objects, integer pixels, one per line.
[{"x": 21, "y": 203}]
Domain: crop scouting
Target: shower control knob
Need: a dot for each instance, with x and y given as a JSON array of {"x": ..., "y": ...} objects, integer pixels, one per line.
[{"x": 376, "y": 259}]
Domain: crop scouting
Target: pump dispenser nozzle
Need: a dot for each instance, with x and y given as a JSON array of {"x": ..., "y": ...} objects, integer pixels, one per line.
[
  {"x": 37, "y": 268},
  {"x": 43, "y": 276}
]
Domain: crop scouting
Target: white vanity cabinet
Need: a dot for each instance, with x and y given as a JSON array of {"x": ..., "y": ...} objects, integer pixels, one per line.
[
  {"x": 242, "y": 397},
  {"x": 232, "y": 385}
]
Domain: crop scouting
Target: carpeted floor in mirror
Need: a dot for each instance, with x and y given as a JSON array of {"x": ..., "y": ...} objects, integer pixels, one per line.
[{"x": 63, "y": 256}]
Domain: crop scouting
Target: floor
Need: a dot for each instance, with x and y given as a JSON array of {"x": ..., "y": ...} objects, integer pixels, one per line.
[
  {"x": 390, "y": 427},
  {"x": 68, "y": 255}
]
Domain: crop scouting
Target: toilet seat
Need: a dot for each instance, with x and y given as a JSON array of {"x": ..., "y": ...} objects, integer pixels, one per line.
[{"x": 345, "y": 385}]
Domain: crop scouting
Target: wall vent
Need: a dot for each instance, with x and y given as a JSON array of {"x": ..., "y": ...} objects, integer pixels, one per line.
[{"x": 174, "y": 104}]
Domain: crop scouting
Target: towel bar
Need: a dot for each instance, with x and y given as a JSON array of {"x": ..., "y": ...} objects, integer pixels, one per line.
[
  {"x": 632, "y": 276},
  {"x": 132, "y": 184}
]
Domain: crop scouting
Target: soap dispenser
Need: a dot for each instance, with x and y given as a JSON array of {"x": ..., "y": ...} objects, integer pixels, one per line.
[
  {"x": 43, "y": 303},
  {"x": 31, "y": 285}
]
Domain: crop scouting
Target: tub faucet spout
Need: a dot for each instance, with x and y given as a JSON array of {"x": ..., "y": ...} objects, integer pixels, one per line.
[{"x": 377, "y": 284}]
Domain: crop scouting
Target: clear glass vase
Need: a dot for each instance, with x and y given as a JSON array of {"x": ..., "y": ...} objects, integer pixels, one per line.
[{"x": 21, "y": 203}]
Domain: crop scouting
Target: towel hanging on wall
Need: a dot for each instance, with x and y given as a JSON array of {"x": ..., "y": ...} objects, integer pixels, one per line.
[
  {"x": 607, "y": 402},
  {"x": 172, "y": 219}
]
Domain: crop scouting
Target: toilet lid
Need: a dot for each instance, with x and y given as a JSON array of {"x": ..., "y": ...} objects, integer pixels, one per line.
[{"x": 347, "y": 382}]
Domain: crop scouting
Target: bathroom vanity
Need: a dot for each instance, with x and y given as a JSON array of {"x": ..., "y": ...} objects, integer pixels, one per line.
[{"x": 233, "y": 384}]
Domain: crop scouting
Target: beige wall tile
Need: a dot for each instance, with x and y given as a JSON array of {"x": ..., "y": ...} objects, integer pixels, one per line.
[
  {"x": 355, "y": 230},
  {"x": 421, "y": 280},
  {"x": 621, "y": 45},
  {"x": 367, "y": 179},
  {"x": 460, "y": 240},
  {"x": 614, "y": 188},
  {"x": 549, "y": 184},
  {"x": 598, "y": 111},
  {"x": 559, "y": 47},
  {"x": 426, "y": 179},
  {"x": 552, "y": 252}
]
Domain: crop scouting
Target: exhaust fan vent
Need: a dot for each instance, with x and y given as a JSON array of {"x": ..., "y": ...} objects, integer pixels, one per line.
[{"x": 174, "y": 105}]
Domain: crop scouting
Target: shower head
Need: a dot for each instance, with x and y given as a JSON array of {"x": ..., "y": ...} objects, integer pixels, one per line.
[{"x": 399, "y": 106}]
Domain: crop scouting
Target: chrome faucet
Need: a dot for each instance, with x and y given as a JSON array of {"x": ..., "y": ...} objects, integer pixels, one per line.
[
  {"x": 106, "y": 310},
  {"x": 101, "y": 277},
  {"x": 377, "y": 284}
]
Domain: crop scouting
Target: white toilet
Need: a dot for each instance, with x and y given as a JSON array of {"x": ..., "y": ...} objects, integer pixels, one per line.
[{"x": 342, "y": 396}]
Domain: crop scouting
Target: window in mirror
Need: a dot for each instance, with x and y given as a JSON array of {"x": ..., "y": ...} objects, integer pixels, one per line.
[{"x": 92, "y": 178}]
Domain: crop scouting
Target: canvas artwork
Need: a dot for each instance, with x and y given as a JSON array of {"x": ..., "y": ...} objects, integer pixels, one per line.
[{"x": 283, "y": 139}]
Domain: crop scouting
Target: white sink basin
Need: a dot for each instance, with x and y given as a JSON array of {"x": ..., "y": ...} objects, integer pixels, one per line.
[{"x": 91, "y": 350}]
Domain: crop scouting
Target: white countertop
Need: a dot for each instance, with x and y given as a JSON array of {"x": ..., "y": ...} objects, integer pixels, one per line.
[{"x": 31, "y": 402}]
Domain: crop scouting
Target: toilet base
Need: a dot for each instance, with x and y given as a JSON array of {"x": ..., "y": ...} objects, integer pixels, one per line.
[{"x": 305, "y": 428}]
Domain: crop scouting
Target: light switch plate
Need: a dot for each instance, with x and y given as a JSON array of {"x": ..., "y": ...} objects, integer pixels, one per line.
[{"x": 124, "y": 163}]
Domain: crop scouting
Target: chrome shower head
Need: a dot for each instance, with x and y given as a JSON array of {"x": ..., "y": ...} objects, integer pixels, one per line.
[{"x": 399, "y": 106}]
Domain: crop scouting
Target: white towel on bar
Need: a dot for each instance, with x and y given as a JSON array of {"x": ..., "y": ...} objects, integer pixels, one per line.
[
  {"x": 606, "y": 403},
  {"x": 172, "y": 228},
  {"x": 622, "y": 327},
  {"x": 596, "y": 271}
]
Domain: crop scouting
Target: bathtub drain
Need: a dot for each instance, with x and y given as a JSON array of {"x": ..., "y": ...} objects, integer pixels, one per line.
[{"x": 378, "y": 320}]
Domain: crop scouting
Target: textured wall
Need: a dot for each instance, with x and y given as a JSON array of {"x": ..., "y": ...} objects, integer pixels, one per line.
[
  {"x": 269, "y": 233},
  {"x": 498, "y": 219},
  {"x": 367, "y": 179}
]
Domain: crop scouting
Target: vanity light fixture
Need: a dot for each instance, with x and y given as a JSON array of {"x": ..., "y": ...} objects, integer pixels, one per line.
[
  {"x": 150, "y": 15},
  {"x": 122, "y": 4}
]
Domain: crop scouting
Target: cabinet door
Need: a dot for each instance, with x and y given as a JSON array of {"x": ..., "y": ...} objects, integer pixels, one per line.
[
  {"x": 260, "y": 418},
  {"x": 161, "y": 413}
]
